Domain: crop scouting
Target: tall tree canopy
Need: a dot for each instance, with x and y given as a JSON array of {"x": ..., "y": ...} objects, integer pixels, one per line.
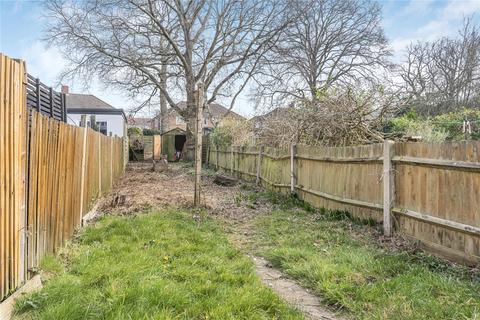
[
  {"x": 329, "y": 42},
  {"x": 128, "y": 43},
  {"x": 444, "y": 75}
]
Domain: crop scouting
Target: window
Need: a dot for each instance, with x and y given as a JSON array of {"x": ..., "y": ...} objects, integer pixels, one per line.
[
  {"x": 102, "y": 127},
  {"x": 179, "y": 120}
]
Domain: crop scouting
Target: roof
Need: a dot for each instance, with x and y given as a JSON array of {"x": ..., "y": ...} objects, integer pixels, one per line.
[
  {"x": 277, "y": 112},
  {"x": 86, "y": 101},
  {"x": 140, "y": 121},
  {"x": 175, "y": 130},
  {"x": 214, "y": 109}
]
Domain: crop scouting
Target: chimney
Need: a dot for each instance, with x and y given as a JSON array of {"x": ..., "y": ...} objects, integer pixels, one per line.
[{"x": 64, "y": 89}]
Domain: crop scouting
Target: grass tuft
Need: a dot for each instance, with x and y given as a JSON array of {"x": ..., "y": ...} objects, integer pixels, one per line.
[
  {"x": 163, "y": 265},
  {"x": 353, "y": 273}
]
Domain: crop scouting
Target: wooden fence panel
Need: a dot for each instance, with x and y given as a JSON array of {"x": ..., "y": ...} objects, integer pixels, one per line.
[
  {"x": 440, "y": 191},
  {"x": 55, "y": 180},
  {"x": 246, "y": 162},
  {"x": 436, "y": 196},
  {"x": 342, "y": 179},
  {"x": 12, "y": 174},
  {"x": 41, "y": 177},
  {"x": 275, "y": 169}
]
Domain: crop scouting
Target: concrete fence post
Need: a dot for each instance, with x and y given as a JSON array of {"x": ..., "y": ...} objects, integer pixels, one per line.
[{"x": 388, "y": 186}]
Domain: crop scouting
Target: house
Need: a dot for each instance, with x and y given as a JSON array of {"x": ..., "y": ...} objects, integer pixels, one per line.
[
  {"x": 212, "y": 115},
  {"x": 142, "y": 123},
  {"x": 109, "y": 120},
  {"x": 260, "y": 121}
]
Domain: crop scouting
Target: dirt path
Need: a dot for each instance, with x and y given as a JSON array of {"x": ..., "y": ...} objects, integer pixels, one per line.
[
  {"x": 291, "y": 292},
  {"x": 141, "y": 189}
]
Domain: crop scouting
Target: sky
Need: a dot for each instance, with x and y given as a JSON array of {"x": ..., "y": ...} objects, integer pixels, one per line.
[{"x": 404, "y": 21}]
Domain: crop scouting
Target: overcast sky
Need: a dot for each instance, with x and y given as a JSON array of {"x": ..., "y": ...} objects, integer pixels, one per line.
[{"x": 403, "y": 21}]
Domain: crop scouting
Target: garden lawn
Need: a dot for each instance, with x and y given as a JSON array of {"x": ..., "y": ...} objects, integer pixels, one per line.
[
  {"x": 160, "y": 265},
  {"x": 341, "y": 262}
]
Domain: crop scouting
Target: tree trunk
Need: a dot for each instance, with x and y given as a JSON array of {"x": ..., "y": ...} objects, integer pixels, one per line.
[
  {"x": 163, "y": 100},
  {"x": 198, "y": 145}
]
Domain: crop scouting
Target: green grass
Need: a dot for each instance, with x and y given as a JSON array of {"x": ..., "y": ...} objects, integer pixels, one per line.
[
  {"x": 340, "y": 262},
  {"x": 161, "y": 265}
]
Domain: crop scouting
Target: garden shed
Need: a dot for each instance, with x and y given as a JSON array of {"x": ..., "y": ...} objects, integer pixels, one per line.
[{"x": 173, "y": 141}]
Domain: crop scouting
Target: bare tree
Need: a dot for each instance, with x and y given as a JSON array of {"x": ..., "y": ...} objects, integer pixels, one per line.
[
  {"x": 218, "y": 43},
  {"x": 330, "y": 42},
  {"x": 443, "y": 75}
]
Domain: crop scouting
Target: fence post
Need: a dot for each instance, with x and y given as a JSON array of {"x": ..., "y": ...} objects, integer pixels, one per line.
[
  {"x": 388, "y": 187},
  {"x": 83, "y": 123},
  {"x": 198, "y": 142},
  {"x": 216, "y": 158},
  {"x": 37, "y": 91},
  {"x": 99, "y": 164},
  {"x": 231, "y": 160},
  {"x": 293, "y": 168},
  {"x": 111, "y": 160},
  {"x": 259, "y": 165}
]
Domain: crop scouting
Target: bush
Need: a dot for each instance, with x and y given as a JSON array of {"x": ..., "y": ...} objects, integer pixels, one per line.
[
  {"x": 448, "y": 126},
  {"x": 150, "y": 132},
  {"x": 134, "y": 131},
  {"x": 232, "y": 132}
]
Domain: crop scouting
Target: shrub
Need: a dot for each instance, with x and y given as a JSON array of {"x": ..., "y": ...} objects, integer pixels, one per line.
[
  {"x": 448, "y": 126},
  {"x": 134, "y": 131}
]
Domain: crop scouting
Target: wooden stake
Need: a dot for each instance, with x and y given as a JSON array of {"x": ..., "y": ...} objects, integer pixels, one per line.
[
  {"x": 293, "y": 168},
  {"x": 231, "y": 160},
  {"x": 388, "y": 187},
  {"x": 83, "y": 122},
  {"x": 198, "y": 145},
  {"x": 99, "y": 164},
  {"x": 111, "y": 160}
]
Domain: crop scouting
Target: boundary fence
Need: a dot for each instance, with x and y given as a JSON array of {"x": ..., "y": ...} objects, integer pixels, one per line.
[
  {"x": 429, "y": 192},
  {"x": 45, "y": 100},
  {"x": 50, "y": 175}
]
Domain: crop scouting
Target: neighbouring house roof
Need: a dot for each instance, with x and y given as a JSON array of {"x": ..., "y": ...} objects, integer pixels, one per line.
[
  {"x": 215, "y": 110},
  {"x": 145, "y": 122},
  {"x": 89, "y": 104},
  {"x": 86, "y": 101},
  {"x": 279, "y": 111}
]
